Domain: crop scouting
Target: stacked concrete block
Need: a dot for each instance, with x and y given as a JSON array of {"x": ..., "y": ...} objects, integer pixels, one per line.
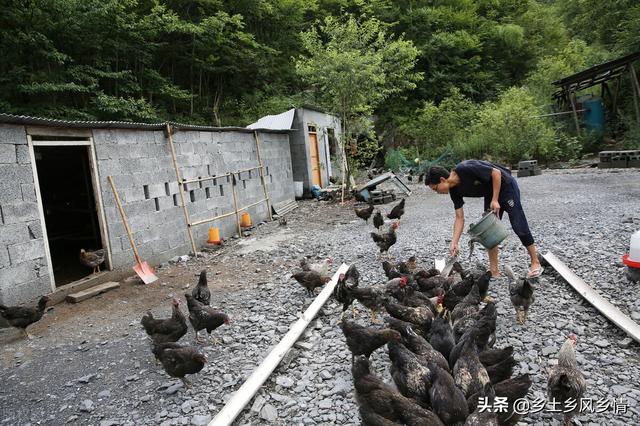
[
  {"x": 619, "y": 159},
  {"x": 528, "y": 168},
  {"x": 23, "y": 267}
]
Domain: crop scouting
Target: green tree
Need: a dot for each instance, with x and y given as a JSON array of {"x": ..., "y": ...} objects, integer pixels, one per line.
[{"x": 353, "y": 67}]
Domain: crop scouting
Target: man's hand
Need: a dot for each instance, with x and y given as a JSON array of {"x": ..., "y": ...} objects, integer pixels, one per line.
[
  {"x": 453, "y": 249},
  {"x": 495, "y": 207}
]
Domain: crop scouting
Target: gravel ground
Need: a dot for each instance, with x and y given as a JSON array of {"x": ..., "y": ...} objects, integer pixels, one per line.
[{"x": 90, "y": 363}]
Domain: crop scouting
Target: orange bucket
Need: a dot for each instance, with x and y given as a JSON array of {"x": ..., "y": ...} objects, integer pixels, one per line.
[
  {"x": 245, "y": 220},
  {"x": 214, "y": 236}
]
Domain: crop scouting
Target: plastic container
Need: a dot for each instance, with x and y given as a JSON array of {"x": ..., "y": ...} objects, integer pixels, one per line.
[
  {"x": 245, "y": 220},
  {"x": 489, "y": 231},
  {"x": 214, "y": 236},
  {"x": 298, "y": 188},
  {"x": 632, "y": 259},
  {"x": 594, "y": 115}
]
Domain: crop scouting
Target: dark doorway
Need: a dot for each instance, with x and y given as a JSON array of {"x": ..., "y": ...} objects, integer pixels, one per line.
[{"x": 64, "y": 174}]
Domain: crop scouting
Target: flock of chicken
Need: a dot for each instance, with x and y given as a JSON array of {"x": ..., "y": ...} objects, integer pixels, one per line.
[{"x": 439, "y": 332}]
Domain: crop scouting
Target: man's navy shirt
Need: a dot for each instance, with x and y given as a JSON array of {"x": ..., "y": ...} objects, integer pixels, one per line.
[{"x": 475, "y": 180}]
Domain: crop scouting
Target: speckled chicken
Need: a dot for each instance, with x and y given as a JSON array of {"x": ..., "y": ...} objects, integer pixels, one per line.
[
  {"x": 201, "y": 292},
  {"x": 343, "y": 293},
  {"x": 566, "y": 381},
  {"x": 411, "y": 377},
  {"x": 484, "y": 417},
  {"x": 421, "y": 316},
  {"x": 521, "y": 294},
  {"x": 311, "y": 280},
  {"x": 511, "y": 389},
  {"x": 204, "y": 317},
  {"x": 23, "y": 316},
  {"x": 469, "y": 373},
  {"x": 92, "y": 259},
  {"x": 377, "y": 400},
  {"x": 384, "y": 240}
]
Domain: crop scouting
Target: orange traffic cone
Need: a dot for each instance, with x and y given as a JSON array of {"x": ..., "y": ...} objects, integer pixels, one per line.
[
  {"x": 245, "y": 220},
  {"x": 214, "y": 236}
]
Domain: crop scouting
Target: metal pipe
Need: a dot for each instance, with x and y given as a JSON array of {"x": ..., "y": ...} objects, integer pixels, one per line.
[
  {"x": 242, "y": 396},
  {"x": 557, "y": 113}
]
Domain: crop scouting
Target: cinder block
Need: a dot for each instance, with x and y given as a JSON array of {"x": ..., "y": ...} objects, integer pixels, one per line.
[
  {"x": 131, "y": 195},
  {"x": 22, "y": 154},
  {"x": 165, "y": 203},
  {"x": 156, "y": 190},
  {"x": 22, "y": 252},
  {"x": 20, "y": 273},
  {"x": 9, "y": 192},
  {"x": 16, "y": 173},
  {"x": 13, "y": 134},
  {"x": 19, "y": 212},
  {"x": 8, "y": 154},
  {"x": 4, "y": 257},
  {"x": 35, "y": 229},
  {"x": 28, "y": 192},
  {"x": 25, "y": 292}
]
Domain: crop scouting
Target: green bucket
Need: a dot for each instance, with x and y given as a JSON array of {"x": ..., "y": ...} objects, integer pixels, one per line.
[{"x": 489, "y": 231}]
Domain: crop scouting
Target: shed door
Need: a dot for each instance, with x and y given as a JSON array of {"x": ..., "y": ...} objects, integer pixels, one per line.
[{"x": 315, "y": 156}]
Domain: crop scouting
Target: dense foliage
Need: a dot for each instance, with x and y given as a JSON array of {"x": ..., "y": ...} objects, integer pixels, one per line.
[{"x": 467, "y": 77}]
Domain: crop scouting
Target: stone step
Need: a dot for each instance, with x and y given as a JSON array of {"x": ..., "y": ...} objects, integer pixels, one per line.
[{"x": 93, "y": 291}]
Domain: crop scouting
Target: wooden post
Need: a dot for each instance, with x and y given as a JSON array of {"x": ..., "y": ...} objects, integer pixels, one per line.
[
  {"x": 264, "y": 184},
  {"x": 181, "y": 189},
  {"x": 572, "y": 97},
  {"x": 636, "y": 91},
  {"x": 235, "y": 203},
  {"x": 615, "y": 96}
]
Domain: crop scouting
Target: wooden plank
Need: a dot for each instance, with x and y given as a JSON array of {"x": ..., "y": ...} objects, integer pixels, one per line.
[
  {"x": 572, "y": 97},
  {"x": 600, "y": 303},
  {"x": 93, "y": 291},
  {"x": 635, "y": 86}
]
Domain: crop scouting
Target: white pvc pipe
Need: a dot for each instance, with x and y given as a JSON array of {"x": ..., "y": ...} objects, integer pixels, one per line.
[
  {"x": 600, "y": 303},
  {"x": 250, "y": 387}
]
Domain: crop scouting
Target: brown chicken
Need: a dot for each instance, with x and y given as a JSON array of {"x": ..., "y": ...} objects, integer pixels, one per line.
[
  {"x": 397, "y": 211},
  {"x": 447, "y": 401},
  {"x": 166, "y": 330},
  {"x": 566, "y": 381},
  {"x": 201, "y": 292},
  {"x": 23, "y": 316},
  {"x": 92, "y": 259},
  {"x": 421, "y": 316},
  {"x": 385, "y": 240},
  {"x": 372, "y": 298},
  {"x": 321, "y": 267},
  {"x": 365, "y": 340},
  {"x": 179, "y": 361},
  {"x": 311, "y": 280},
  {"x": 377, "y": 399},
  {"x": 365, "y": 212},
  {"x": 204, "y": 317}
]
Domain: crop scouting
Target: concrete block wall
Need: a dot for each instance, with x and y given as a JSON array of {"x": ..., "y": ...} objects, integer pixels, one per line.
[
  {"x": 24, "y": 273},
  {"x": 140, "y": 162}
]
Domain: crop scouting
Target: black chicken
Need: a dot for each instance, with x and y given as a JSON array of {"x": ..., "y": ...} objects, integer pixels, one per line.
[
  {"x": 421, "y": 347},
  {"x": 447, "y": 401},
  {"x": 23, "y": 316},
  {"x": 411, "y": 377},
  {"x": 401, "y": 326},
  {"x": 166, "y": 330},
  {"x": 397, "y": 211},
  {"x": 201, "y": 292},
  {"x": 365, "y": 212},
  {"x": 484, "y": 417},
  {"x": 179, "y": 361},
  {"x": 378, "y": 220},
  {"x": 458, "y": 291},
  {"x": 494, "y": 356},
  {"x": 343, "y": 289},
  {"x": 372, "y": 298},
  {"x": 501, "y": 371},
  {"x": 442, "y": 335},
  {"x": 377, "y": 400},
  {"x": 521, "y": 294},
  {"x": 365, "y": 340},
  {"x": 385, "y": 240},
  {"x": 467, "y": 306},
  {"x": 511, "y": 389},
  {"x": 204, "y": 317},
  {"x": 421, "y": 316}
]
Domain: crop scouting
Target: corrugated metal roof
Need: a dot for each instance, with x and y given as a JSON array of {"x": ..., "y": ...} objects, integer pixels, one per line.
[
  {"x": 51, "y": 122},
  {"x": 281, "y": 121}
]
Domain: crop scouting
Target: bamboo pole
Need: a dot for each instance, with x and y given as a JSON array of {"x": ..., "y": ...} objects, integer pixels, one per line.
[
  {"x": 264, "y": 185},
  {"x": 572, "y": 98},
  {"x": 181, "y": 189},
  {"x": 202, "y": 179},
  {"x": 615, "y": 95},
  {"x": 235, "y": 203},
  {"x": 200, "y": 222},
  {"x": 250, "y": 387},
  {"x": 636, "y": 91}
]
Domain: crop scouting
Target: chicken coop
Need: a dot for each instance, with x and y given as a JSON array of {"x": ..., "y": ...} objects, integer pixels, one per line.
[
  {"x": 174, "y": 181},
  {"x": 315, "y": 153}
]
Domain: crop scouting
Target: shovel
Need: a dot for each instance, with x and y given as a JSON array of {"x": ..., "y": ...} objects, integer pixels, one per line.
[{"x": 143, "y": 269}]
